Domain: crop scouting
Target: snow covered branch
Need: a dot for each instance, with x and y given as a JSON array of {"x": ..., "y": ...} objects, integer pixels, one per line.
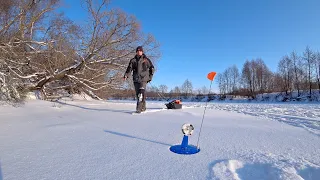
[
  {"x": 81, "y": 81},
  {"x": 52, "y": 54},
  {"x": 26, "y": 76}
]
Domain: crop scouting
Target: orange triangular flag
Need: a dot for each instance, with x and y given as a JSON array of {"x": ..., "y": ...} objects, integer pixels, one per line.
[{"x": 211, "y": 76}]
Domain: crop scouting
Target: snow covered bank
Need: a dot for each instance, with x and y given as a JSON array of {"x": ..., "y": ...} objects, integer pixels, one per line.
[{"x": 294, "y": 97}]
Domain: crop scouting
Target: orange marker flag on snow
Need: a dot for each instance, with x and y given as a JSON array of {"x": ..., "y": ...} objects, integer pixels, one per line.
[{"x": 211, "y": 76}]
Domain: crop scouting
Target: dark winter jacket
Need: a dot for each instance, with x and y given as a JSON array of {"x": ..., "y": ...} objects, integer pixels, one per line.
[{"x": 142, "y": 68}]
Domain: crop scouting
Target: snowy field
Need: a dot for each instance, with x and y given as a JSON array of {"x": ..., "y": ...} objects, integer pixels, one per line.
[{"x": 103, "y": 140}]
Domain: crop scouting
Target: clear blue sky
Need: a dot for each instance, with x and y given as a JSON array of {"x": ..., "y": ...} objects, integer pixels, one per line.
[{"x": 208, "y": 35}]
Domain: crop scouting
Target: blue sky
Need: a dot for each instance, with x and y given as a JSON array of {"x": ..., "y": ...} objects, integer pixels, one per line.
[{"x": 198, "y": 37}]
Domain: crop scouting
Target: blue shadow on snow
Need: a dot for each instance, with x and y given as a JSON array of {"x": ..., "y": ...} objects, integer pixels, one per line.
[
  {"x": 134, "y": 137},
  {"x": 96, "y": 109},
  {"x": 247, "y": 172},
  {"x": 310, "y": 173}
]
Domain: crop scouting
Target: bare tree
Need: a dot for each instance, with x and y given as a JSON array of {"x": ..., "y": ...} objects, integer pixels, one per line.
[
  {"x": 229, "y": 80},
  {"x": 278, "y": 79},
  {"x": 222, "y": 83},
  {"x": 19, "y": 45},
  {"x": 187, "y": 87},
  {"x": 204, "y": 90},
  {"x": 269, "y": 81},
  {"x": 317, "y": 68},
  {"x": 235, "y": 78},
  {"x": 262, "y": 73},
  {"x": 298, "y": 73},
  {"x": 176, "y": 90},
  {"x": 198, "y": 91},
  {"x": 153, "y": 89},
  {"x": 308, "y": 57},
  {"x": 248, "y": 77},
  {"x": 52, "y": 54},
  {"x": 256, "y": 77},
  {"x": 285, "y": 71},
  {"x": 163, "y": 88}
]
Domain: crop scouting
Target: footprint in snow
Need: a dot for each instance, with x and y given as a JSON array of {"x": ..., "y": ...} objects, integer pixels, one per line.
[{"x": 238, "y": 170}]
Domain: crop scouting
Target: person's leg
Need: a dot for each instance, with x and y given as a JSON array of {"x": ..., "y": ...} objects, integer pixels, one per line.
[
  {"x": 143, "y": 90},
  {"x": 141, "y": 103},
  {"x": 137, "y": 90}
]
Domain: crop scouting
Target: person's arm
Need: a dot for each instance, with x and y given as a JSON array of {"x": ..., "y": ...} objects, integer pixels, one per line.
[
  {"x": 151, "y": 70},
  {"x": 128, "y": 71}
]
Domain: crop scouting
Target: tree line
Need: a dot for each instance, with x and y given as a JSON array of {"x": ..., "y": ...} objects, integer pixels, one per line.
[
  {"x": 162, "y": 91},
  {"x": 295, "y": 72},
  {"x": 298, "y": 73}
]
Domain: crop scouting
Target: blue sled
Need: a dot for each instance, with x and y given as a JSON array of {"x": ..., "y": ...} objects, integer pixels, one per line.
[{"x": 184, "y": 148}]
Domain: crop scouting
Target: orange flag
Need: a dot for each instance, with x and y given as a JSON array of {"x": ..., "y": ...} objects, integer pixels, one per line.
[{"x": 211, "y": 76}]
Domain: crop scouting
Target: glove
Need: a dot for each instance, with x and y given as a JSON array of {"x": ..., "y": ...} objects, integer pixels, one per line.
[{"x": 150, "y": 78}]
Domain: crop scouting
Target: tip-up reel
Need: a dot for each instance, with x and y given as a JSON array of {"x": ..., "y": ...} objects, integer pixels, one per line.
[{"x": 184, "y": 148}]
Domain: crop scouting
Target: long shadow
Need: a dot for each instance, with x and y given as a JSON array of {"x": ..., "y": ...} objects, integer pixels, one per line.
[
  {"x": 134, "y": 137},
  {"x": 96, "y": 109}
]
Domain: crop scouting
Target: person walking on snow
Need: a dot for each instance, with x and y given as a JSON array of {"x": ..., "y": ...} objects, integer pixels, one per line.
[{"x": 143, "y": 71}]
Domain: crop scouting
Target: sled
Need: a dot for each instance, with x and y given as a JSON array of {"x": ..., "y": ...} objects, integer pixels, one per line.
[{"x": 175, "y": 104}]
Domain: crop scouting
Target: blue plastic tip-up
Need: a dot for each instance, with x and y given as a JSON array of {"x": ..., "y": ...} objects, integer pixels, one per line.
[{"x": 184, "y": 148}]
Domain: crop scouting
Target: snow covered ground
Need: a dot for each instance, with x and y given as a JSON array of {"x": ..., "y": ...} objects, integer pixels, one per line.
[{"x": 103, "y": 140}]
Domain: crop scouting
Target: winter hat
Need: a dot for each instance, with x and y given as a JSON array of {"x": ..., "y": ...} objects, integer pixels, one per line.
[{"x": 139, "y": 48}]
